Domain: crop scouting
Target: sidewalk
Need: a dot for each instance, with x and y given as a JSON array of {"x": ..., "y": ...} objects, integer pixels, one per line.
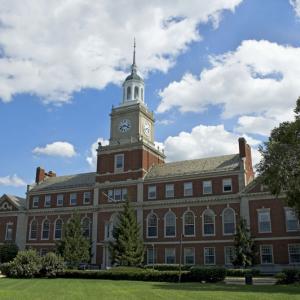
[{"x": 256, "y": 280}]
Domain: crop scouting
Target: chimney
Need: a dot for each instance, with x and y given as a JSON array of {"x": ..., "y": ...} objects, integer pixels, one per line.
[
  {"x": 40, "y": 175},
  {"x": 242, "y": 147}
]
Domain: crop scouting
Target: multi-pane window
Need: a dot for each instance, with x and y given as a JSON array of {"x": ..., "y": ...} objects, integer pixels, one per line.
[
  {"x": 170, "y": 255},
  {"x": 73, "y": 199},
  {"x": 47, "y": 201},
  {"x": 266, "y": 254},
  {"x": 152, "y": 192},
  {"x": 86, "y": 197},
  {"x": 9, "y": 232},
  {"x": 189, "y": 256},
  {"x": 33, "y": 230},
  {"x": 35, "y": 201},
  {"x": 117, "y": 194},
  {"x": 209, "y": 256},
  {"x": 207, "y": 187},
  {"x": 208, "y": 222},
  {"x": 58, "y": 229},
  {"x": 151, "y": 256},
  {"x": 170, "y": 224},
  {"x": 45, "y": 230},
  {"x": 228, "y": 221},
  {"x": 189, "y": 224},
  {"x": 188, "y": 189},
  {"x": 294, "y": 253},
  {"x": 169, "y": 190},
  {"x": 86, "y": 227},
  {"x": 60, "y": 200},
  {"x": 119, "y": 162},
  {"x": 227, "y": 185},
  {"x": 291, "y": 220},
  {"x": 229, "y": 254},
  {"x": 264, "y": 221},
  {"x": 152, "y": 226}
]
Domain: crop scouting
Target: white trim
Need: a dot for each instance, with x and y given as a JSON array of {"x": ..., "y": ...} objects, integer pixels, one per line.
[
  {"x": 264, "y": 210},
  {"x": 225, "y": 262},
  {"x": 266, "y": 245},
  {"x": 234, "y": 221},
  {"x": 214, "y": 216},
  {"x": 286, "y": 210},
  {"x": 293, "y": 244},
  {"x": 35, "y": 200},
  {"x": 148, "y": 190},
  {"x": 29, "y": 238},
  {"x": 90, "y": 197},
  {"x": 62, "y": 223},
  {"x": 165, "y": 224},
  {"x": 63, "y": 197},
  {"x": 169, "y": 184},
  {"x": 153, "y": 257},
  {"x": 184, "y": 255},
  {"x": 147, "y": 220},
  {"x": 210, "y": 186},
  {"x": 47, "y": 197},
  {"x": 214, "y": 263},
  {"x": 223, "y": 180},
  {"x": 183, "y": 224},
  {"x": 70, "y": 199},
  {"x": 168, "y": 248},
  {"x": 184, "y": 189}
]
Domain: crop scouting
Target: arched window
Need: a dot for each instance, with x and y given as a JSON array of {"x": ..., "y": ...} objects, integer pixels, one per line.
[
  {"x": 33, "y": 230},
  {"x": 228, "y": 217},
  {"x": 170, "y": 224},
  {"x": 45, "y": 230},
  {"x": 188, "y": 223},
  {"x": 136, "y": 92},
  {"x": 152, "y": 225},
  {"x": 208, "y": 219},
  {"x": 129, "y": 93},
  {"x": 58, "y": 229},
  {"x": 86, "y": 227},
  {"x": 142, "y": 94}
]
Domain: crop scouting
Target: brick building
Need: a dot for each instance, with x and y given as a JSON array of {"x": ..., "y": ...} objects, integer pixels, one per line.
[{"x": 198, "y": 202}]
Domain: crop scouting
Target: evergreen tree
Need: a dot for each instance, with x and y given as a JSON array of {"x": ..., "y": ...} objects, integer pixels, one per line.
[
  {"x": 244, "y": 246},
  {"x": 127, "y": 248},
  {"x": 74, "y": 247},
  {"x": 8, "y": 251}
]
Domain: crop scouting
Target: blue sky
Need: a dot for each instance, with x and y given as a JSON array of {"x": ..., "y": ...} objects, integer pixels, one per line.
[{"x": 214, "y": 70}]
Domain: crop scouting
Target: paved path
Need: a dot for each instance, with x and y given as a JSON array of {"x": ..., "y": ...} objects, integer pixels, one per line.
[{"x": 256, "y": 280}]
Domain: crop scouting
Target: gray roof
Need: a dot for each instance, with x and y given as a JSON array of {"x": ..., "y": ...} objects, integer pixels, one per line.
[
  {"x": 195, "y": 166},
  {"x": 64, "y": 182},
  {"x": 19, "y": 202}
]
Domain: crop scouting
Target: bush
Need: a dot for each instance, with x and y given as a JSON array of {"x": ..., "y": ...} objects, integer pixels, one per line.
[
  {"x": 51, "y": 265},
  {"x": 200, "y": 274},
  {"x": 242, "y": 272},
  {"x": 288, "y": 276},
  {"x": 4, "y": 268},
  {"x": 8, "y": 251},
  {"x": 168, "y": 267}
]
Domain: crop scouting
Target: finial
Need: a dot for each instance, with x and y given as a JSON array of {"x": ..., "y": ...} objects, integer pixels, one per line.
[{"x": 134, "y": 45}]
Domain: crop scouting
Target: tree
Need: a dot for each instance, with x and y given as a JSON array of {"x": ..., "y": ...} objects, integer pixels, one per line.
[
  {"x": 279, "y": 168},
  {"x": 127, "y": 248},
  {"x": 74, "y": 246},
  {"x": 8, "y": 251},
  {"x": 244, "y": 246}
]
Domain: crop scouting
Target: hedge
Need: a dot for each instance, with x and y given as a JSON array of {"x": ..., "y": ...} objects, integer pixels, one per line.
[
  {"x": 200, "y": 274},
  {"x": 242, "y": 272},
  {"x": 288, "y": 276},
  {"x": 168, "y": 267}
]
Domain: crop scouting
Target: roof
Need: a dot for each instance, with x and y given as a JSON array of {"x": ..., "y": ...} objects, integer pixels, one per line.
[
  {"x": 196, "y": 166},
  {"x": 63, "y": 182},
  {"x": 134, "y": 76},
  {"x": 17, "y": 201}
]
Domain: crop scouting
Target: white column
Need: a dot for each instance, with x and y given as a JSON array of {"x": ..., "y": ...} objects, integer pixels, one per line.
[
  {"x": 244, "y": 210},
  {"x": 139, "y": 212},
  {"x": 94, "y": 236},
  {"x": 21, "y": 232}
]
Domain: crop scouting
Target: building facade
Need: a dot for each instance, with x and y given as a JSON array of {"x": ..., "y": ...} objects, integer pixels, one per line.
[{"x": 194, "y": 204}]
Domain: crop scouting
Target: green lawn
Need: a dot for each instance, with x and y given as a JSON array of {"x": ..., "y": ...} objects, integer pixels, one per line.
[{"x": 105, "y": 289}]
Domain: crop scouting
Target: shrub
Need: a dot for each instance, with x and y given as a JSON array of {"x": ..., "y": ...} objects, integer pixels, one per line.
[
  {"x": 51, "y": 265},
  {"x": 8, "y": 251},
  {"x": 207, "y": 274},
  {"x": 4, "y": 268},
  {"x": 242, "y": 272},
  {"x": 168, "y": 267},
  {"x": 288, "y": 276}
]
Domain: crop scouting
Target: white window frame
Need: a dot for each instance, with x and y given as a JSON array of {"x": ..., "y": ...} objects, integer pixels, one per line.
[
  {"x": 147, "y": 220},
  {"x": 185, "y": 256},
  {"x": 54, "y": 231},
  {"x": 183, "y": 223},
  {"x": 165, "y": 224},
  {"x": 30, "y": 227},
  {"x": 174, "y": 255},
  {"x": 72, "y": 194},
  {"x": 169, "y": 190},
  {"x": 203, "y": 187},
  {"x": 35, "y": 201},
  {"x": 204, "y": 254},
  {"x": 227, "y": 263},
  {"x": 188, "y": 189},
  {"x": 261, "y": 254},
  {"x": 214, "y": 216},
  {"x": 234, "y": 220},
  {"x": 263, "y": 211},
  {"x": 288, "y": 210},
  {"x": 153, "y": 256},
  {"x": 89, "y": 227},
  {"x": 47, "y": 201},
  {"x": 151, "y": 189},
  {"x": 42, "y": 231},
  {"x": 59, "y": 197},
  {"x": 89, "y": 197},
  {"x": 111, "y": 193},
  {"x": 119, "y": 169},
  {"x": 289, "y": 251},
  {"x": 223, "y": 184},
  {"x": 9, "y": 225}
]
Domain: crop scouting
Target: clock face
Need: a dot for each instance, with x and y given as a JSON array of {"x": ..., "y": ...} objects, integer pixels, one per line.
[
  {"x": 147, "y": 128},
  {"x": 124, "y": 125}
]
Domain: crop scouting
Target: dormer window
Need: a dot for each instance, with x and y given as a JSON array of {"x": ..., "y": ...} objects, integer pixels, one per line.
[{"x": 119, "y": 162}]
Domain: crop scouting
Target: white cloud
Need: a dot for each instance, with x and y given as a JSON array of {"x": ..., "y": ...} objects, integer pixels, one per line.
[
  {"x": 54, "y": 48},
  {"x": 259, "y": 78},
  {"x": 296, "y": 6},
  {"x": 92, "y": 156},
  {"x": 13, "y": 180},
  {"x": 63, "y": 149},
  {"x": 165, "y": 122}
]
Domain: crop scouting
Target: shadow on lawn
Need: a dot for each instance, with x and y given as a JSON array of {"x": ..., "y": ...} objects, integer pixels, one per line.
[{"x": 207, "y": 287}]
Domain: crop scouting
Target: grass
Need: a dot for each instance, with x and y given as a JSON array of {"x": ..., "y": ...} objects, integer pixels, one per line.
[{"x": 53, "y": 289}]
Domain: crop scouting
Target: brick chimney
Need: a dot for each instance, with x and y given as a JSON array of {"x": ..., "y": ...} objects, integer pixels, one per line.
[
  {"x": 40, "y": 175},
  {"x": 245, "y": 154}
]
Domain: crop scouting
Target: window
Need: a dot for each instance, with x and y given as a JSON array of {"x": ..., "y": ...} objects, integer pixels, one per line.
[
  {"x": 43, "y": 251},
  {"x": 227, "y": 185},
  {"x": 229, "y": 254},
  {"x": 188, "y": 189},
  {"x": 9, "y": 232},
  {"x": 117, "y": 195},
  {"x": 86, "y": 227},
  {"x": 188, "y": 224},
  {"x": 228, "y": 221},
  {"x": 209, "y": 256},
  {"x": 136, "y": 92},
  {"x": 33, "y": 230},
  {"x": 47, "y": 202},
  {"x": 207, "y": 187},
  {"x": 151, "y": 256},
  {"x": 73, "y": 199},
  {"x": 266, "y": 254},
  {"x": 291, "y": 220},
  {"x": 35, "y": 201},
  {"x": 60, "y": 200},
  {"x": 170, "y": 224},
  {"x": 170, "y": 255},
  {"x": 264, "y": 221},
  {"x": 208, "y": 222},
  {"x": 294, "y": 253},
  {"x": 58, "y": 229},
  {"x": 119, "y": 162},
  {"x": 152, "y": 226},
  {"x": 142, "y": 94},
  {"x": 189, "y": 256},
  {"x": 86, "y": 197},
  {"x": 169, "y": 190},
  {"x": 45, "y": 230},
  {"x": 152, "y": 192},
  {"x": 129, "y": 93}
]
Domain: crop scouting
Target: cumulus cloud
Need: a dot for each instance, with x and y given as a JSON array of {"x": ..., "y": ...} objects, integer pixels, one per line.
[
  {"x": 13, "y": 180},
  {"x": 296, "y": 6},
  {"x": 63, "y": 149},
  {"x": 92, "y": 156},
  {"x": 246, "y": 82},
  {"x": 54, "y": 48}
]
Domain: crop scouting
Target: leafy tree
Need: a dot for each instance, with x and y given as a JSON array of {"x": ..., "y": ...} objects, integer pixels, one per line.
[
  {"x": 280, "y": 165},
  {"x": 244, "y": 246},
  {"x": 8, "y": 251},
  {"x": 74, "y": 247},
  {"x": 127, "y": 248}
]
